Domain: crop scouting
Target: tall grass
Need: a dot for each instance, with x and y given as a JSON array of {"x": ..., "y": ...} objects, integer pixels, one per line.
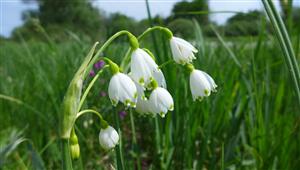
[{"x": 250, "y": 123}]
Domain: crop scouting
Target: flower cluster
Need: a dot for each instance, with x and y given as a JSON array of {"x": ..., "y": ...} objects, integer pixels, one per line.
[
  {"x": 144, "y": 87},
  {"x": 145, "y": 75}
]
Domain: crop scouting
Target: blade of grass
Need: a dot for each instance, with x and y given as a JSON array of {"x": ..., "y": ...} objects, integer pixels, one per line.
[
  {"x": 285, "y": 43},
  {"x": 231, "y": 54}
]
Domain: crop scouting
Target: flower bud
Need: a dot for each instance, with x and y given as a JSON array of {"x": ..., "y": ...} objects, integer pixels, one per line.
[
  {"x": 75, "y": 151},
  {"x": 74, "y": 146}
]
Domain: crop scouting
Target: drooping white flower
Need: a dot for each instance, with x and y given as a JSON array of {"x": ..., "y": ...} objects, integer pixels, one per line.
[
  {"x": 108, "y": 138},
  {"x": 182, "y": 51},
  {"x": 122, "y": 88},
  {"x": 160, "y": 101},
  {"x": 201, "y": 84},
  {"x": 142, "y": 66}
]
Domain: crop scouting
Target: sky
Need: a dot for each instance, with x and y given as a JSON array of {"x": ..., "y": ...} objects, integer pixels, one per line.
[{"x": 11, "y": 10}]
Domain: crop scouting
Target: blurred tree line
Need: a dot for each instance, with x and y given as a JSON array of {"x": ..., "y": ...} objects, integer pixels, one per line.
[{"x": 60, "y": 18}]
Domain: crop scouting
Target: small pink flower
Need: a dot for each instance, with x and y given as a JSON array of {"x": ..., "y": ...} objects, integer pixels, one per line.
[
  {"x": 99, "y": 64},
  {"x": 102, "y": 93},
  {"x": 122, "y": 114},
  {"x": 92, "y": 73}
]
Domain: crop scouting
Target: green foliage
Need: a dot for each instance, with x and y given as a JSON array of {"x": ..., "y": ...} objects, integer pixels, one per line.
[
  {"x": 251, "y": 122},
  {"x": 182, "y": 28},
  {"x": 116, "y": 22},
  {"x": 182, "y": 10},
  {"x": 58, "y": 17},
  {"x": 243, "y": 24},
  {"x": 296, "y": 18}
]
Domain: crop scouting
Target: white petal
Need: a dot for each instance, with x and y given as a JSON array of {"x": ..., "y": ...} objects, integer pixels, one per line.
[
  {"x": 122, "y": 88},
  {"x": 160, "y": 78},
  {"x": 142, "y": 66},
  {"x": 161, "y": 101},
  {"x": 182, "y": 51},
  {"x": 186, "y": 44},
  {"x": 176, "y": 52},
  {"x": 211, "y": 81},
  {"x": 113, "y": 89},
  {"x": 199, "y": 85},
  {"x": 108, "y": 138}
]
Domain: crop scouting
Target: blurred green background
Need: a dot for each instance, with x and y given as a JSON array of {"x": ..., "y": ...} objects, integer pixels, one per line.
[{"x": 252, "y": 122}]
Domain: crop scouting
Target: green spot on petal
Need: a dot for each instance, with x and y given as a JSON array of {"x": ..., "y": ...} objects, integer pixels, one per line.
[
  {"x": 114, "y": 102},
  {"x": 142, "y": 81},
  {"x": 162, "y": 114},
  {"x": 171, "y": 107},
  {"x": 135, "y": 95},
  {"x": 206, "y": 92}
]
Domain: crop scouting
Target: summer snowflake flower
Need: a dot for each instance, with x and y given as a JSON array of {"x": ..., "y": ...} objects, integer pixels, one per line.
[
  {"x": 142, "y": 66},
  {"x": 122, "y": 88},
  {"x": 201, "y": 84},
  {"x": 160, "y": 101},
  {"x": 143, "y": 104},
  {"x": 183, "y": 51},
  {"x": 108, "y": 138}
]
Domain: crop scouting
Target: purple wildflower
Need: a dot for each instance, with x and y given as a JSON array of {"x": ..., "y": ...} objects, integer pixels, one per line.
[
  {"x": 99, "y": 64},
  {"x": 102, "y": 93},
  {"x": 92, "y": 73},
  {"x": 122, "y": 114}
]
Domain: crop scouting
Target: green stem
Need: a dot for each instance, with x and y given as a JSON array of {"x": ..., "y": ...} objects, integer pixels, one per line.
[
  {"x": 149, "y": 30},
  {"x": 89, "y": 87},
  {"x": 166, "y": 63},
  {"x": 67, "y": 161},
  {"x": 89, "y": 111},
  {"x": 135, "y": 146},
  {"x": 285, "y": 44},
  {"x": 287, "y": 40},
  {"x": 119, "y": 153},
  {"x": 165, "y": 30},
  {"x": 158, "y": 140},
  {"x": 103, "y": 122},
  {"x": 104, "y": 46}
]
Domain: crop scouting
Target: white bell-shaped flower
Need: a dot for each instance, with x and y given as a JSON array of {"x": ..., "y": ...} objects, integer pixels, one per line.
[
  {"x": 108, "y": 138},
  {"x": 142, "y": 66},
  {"x": 201, "y": 84},
  {"x": 182, "y": 51},
  {"x": 160, "y": 101},
  {"x": 122, "y": 88}
]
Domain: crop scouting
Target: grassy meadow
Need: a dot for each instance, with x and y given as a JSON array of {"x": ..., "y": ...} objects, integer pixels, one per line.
[{"x": 252, "y": 122}]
